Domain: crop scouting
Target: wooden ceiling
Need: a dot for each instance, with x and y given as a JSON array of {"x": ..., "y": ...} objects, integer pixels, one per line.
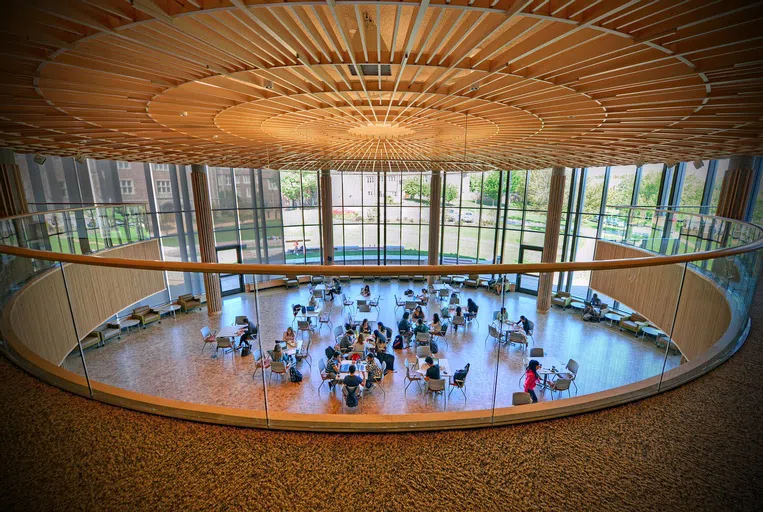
[{"x": 379, "y": 85}]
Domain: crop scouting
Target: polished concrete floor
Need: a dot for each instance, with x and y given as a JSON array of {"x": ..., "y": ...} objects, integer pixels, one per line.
[{"x": 166, "y": 359}]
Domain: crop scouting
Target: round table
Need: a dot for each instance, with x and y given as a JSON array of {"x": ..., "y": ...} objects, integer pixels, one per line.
[
  {"x": 577, "y": 305},
  {"x": 128, "y": 324},
  {"x": 652, "y": 331},
  {"x": 613, "y": 317},
  {"x": 170, "y": 308}
]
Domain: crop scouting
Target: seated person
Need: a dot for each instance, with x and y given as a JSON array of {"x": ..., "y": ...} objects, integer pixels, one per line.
[
  {"x": 432, "y": 370},
  {"x": 289, "y": 337},
  {"x": 333, "y": 287},
  {"x": 471, "y": 309},
  {"x": 436, "y": 327},
  {"x": 346, "y": 341},
  {"x": 523, "y": 324},
  {"x": 332, "y": 369},
  {"x": 420, "y": 327},
  {"x": 458, "y": 313},
  {"x": 595, "y": 301},
  {"x": 384, "y": 330},
  {"x": 250, "y": 332},
  {"x": 365, "y": 327},
  {"x": 313, "y": 302},
  {"x": 418, "y": 314},
  {"x": 360, "y": 344},
  {"x": 590, "y": 314},
  {"x": 423, "y": 297},
  {"x": 278, "y": 355},
  {"x": 380, "y": 342},
  {"x": 353, "y": 379},
  {"x": 366, "y": 291},
  {"x": 404, "y": 326},
  {"x": 503, "y": 316},
  {"x": 373, "y": 371}
]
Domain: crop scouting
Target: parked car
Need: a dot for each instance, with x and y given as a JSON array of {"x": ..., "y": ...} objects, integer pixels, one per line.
[
  {"x": 467, "y": 217},
  {"x": 451, "y": 215}
]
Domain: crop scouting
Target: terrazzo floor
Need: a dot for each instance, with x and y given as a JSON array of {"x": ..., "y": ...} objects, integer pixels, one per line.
[{"x": 166, "y": 359}]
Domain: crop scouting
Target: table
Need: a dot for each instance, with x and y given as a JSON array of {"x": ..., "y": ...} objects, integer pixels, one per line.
[
  {"x": 169, "y": 308},
  {"x": 613, "y": 317},
  {"x": 444, "y": 366},
  {"x": 361, "y": 368},
  {"x": 459, "y": 279},
  {"x": 438, "y": 287},
  {"x": 577, "y": 305},
  {"x": 230, "y": 331},
  {"x": 309, "y": 314},
  {"x": 652, "y": 331},
  {"x": 319, "y": 287},
  {"x": 128, "y": 323},
  {"x": 546, "y": 364}
]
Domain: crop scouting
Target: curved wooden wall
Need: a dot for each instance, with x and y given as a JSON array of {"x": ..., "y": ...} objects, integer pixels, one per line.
[
  {"x": 39, "y": 313},
  {"x": 703, "y": 310}
]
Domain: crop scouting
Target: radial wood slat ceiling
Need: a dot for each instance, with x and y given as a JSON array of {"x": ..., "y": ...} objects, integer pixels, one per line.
[{"x": 358, "y": 85}]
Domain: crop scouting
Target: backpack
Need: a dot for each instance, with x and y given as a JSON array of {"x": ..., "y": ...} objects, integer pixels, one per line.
[
  {"x": 246, "y": 351},
  {"x": 352, "y": 399},
  {"x": 295, "y": 375},
  {"x": 329, "y": 352},
  {"x": 398, "y": 343},
  {"x": 433, "y": 347},
  {"x": 461, "y": 374}
]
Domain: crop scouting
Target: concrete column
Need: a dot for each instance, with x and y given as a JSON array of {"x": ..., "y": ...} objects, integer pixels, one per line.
[
  {"x": 12, "y": 198},
  {"x": 327, "y": 219},
  {"x": 435, "y": 209},
  {"x": 551, "y": 239},
  {"x": 738, "y": 183},
  {"x": 206, "y": 232}
]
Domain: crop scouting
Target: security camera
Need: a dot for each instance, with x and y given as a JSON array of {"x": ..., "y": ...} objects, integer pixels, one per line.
[
  {"x": 698, "y": 164},
  {"x": 474, "y": 87},
  {"x": 39, "y": 159},
  {"x": 268, "y": 84},
  {"x": 80, "y": 159}
]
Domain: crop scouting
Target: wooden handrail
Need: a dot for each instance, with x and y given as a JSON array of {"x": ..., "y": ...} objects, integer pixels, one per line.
[{"x": 376, "y": 270}]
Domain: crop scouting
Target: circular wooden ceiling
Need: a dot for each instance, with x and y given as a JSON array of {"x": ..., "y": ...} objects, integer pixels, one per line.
[{"x": 411, "y": 85}]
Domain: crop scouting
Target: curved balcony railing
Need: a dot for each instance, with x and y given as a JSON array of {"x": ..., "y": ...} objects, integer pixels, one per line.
[{"x": 67, "y": 272}]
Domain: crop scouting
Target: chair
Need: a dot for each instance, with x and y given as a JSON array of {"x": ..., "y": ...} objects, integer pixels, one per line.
[
  {"x": 531, "y": 330},
  {"x": 380, "y": 382},
  {"x": 458, "y": 383},
  {"x": 423, "y": 351},
  {"x": 493, "y": 332},
  {"x": 362, "y": 302},
  {"x": 473, "y": 317},
  {"x": 187, "y": 302},
  {"x": 440, "y": 335},
  {"x": 260, "y": 362},
  {"x": 443, "y": 294},
  {"x": 346, "y": 303},
  {"x": 536, "y": 352},
  {"x": 561, "y": 299},
  {"x": 364, "y": 308},
  {"x": 223, "y": 343},
  {"x": 338, "y": 332},
  {"x": 278, "y": 367},
  {"x": 560, "y": 385},
  {"x": 374, "y": 303},
  {"x": 402, "y": 279},
  {"x": 208, "y": 337},
  {"x": 521, "y": 399},
  {"x": 292, "y": 281},
  {"x": 399, "y": 303},
  {"x": 410, "y": 305},
  {"x": 472, "y": 281},
  {"x": 458, "y": 320},
  {"x": 455, "y": 301},
  {"x": 423, "y": 338},
  {"x": 573, "y": 367},
  {"x": 324, "y": 375},
  {"x": 411, "y": 377},
  {"x": 304, "y": 326},
  {"x": 324, "y": 319},
  {"x": 303, "y": 354},
  {"x": 521, "y": 339},
  {"x": 435, "y": 386},
  {"x": 239, "y": 320},
  {"x": 346, "y": 391},
  {"x": 318, "y": 294},
  {"x": 146, "y": 315},
  {"x": 633, "y": 322}
]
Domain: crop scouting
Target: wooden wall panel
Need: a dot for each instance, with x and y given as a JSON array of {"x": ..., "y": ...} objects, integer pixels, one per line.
[
  {"x": 40, "y": 315},
  {"x": 703, "y": 311}
]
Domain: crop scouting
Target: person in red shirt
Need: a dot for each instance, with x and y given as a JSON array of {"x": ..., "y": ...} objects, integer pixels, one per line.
[{"x": 531, "y": 379}]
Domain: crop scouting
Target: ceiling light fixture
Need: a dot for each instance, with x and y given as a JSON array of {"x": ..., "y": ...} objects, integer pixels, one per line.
[{"x": 183, "y": 114}]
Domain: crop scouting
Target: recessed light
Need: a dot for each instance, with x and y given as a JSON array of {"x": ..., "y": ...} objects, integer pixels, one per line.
[{"x": 183, "y": 114}]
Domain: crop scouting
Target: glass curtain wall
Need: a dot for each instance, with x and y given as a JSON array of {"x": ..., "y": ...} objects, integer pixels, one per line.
[{"x": 380, "y": 218}]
